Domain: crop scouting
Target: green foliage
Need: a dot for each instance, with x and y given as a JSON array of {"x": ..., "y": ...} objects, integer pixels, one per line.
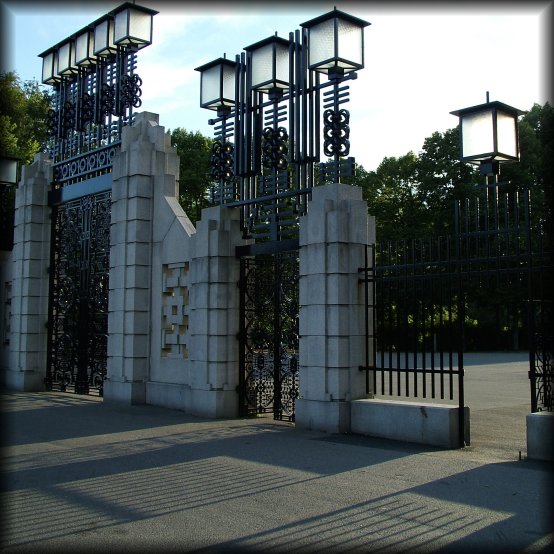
[
  {"x": 23, "y": 113},
  {"x": 194, "y": 150},
  {"x": 413, "y": 196}
]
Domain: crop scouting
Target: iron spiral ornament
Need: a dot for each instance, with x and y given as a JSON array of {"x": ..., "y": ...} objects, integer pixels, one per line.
[
  {"x": 107, "y": 99},
  {"x": 87, "y": 110},
  {"x": 222, "y": 161},
  {"x": 131, "y": 91},
  {"x": 68, "y": 117},
  {"x": 336, "y": 132},
  {"x": 274, "y": 148},
  {"x": 52, "y": 122}
]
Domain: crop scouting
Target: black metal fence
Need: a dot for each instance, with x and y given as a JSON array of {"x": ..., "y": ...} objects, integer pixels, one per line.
[
  {"x": 417, "y": 319},
  {"x": 489, "y": 286}
]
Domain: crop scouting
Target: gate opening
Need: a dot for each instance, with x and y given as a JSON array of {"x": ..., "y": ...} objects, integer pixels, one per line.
[
  {"x": 268, "y": 377},
  {"x": 79, "y": 283}
]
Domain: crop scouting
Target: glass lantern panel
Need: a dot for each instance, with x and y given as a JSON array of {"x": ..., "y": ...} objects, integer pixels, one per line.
[
  {"x": 262, "y": 65},
  {"x": 477, "y": 134},
  {"x": 121, "y": 26},
  {"x": 8, "y": 170},
  {"x": 48, "y": 69},
  {"x": 229, "y": 84},
  {"x": 322, "y": 42},
  {"x": 84, "y": 48},
  {"x": 210, "y": 85},
  {"x": 282, "y": 64},
  {"x": 103, "y": 38},
  {"x": 506, "y": 128},
  {"x": 140, "y": 27},
  {"x": 65, "y": 58},
  {"x": 350, "y": 44}
]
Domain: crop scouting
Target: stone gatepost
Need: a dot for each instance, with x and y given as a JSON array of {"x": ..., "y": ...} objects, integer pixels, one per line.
[
  {"x": 31, "y": 259},
  {"x": 333, "y": 238},
  {"x": 214, "y": 313},
  {"x": 145, "y": 162}
]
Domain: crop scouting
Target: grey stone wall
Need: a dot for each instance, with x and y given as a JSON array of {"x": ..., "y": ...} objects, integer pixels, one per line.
[
  {"x": 333, "y": 238},
  {"x": 173, "y": 308},
  {"x": 29, "y": 279}
]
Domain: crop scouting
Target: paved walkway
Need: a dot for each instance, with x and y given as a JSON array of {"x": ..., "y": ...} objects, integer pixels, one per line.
[{"x": 81, "y": 475}]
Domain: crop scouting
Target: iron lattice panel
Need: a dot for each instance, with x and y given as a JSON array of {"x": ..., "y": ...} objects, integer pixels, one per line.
[
  {"x": 269, "y": 335},
  {"x": 79, "y": 294}
]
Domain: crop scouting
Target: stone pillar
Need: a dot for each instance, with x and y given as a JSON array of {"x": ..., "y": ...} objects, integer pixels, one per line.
[
  {"x": 333, "y": 238},
  {"x": 214, "y": 313},
  {"x": 143, "y": 164},
  {"x": 30, "y": 280}
]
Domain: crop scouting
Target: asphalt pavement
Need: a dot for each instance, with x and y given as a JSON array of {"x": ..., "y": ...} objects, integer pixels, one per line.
[{"x": 81, "y": 475}]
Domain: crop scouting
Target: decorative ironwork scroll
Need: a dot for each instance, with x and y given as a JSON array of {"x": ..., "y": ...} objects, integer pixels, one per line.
[
  {"x": 79, "y": 295},
  {"x": 89, "y": 111},
  {"x": 269, "y": 335},
  {"x": 276, "y": 138}
]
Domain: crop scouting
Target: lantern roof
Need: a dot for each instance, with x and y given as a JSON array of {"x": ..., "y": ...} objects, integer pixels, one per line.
[
  {"x": 92, "y": 25},
  {"x": 335, "y": 13},
  {"x": 488, "y": 106}
]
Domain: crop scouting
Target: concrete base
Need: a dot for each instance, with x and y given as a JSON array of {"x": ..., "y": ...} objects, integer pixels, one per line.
[
  {"x": 26, "y": 381},
  {"x": 126, "y": 392},
  {"x": 331, "y": 417},
  {"x": 214, "y": 403},
  {"x": 168, "y": 395},
  {"x": 432, "y": 424},
  {"x": 540, "y": 435}
]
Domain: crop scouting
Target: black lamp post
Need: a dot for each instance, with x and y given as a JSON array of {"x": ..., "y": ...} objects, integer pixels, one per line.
[
  {"x": 269, "y": 60},
  {"x": 489, "y": 135},
  {"x": 95, "y": 83},
  {"x": 336, "y": 43},
  {"x": 269, "y": 101},
  {"x": 217, "y": 85}
]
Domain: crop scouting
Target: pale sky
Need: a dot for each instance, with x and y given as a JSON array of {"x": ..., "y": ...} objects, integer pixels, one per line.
[{"x": 421, "y": 60}]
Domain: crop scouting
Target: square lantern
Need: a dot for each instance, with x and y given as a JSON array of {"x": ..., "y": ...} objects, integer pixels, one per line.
[
  {"x": 103, "y": 37},
  {"x": 66, "y": 58},
  {"x": 217, "y": 84},
  {"x": 8, "y": 170},
  {"x": 133, "y": 25},
  {"x": 50, "y": 66},
  {"x": 270, "y": 64},
  {"x": 336, "y": 43},
  {"x": 84, "y": 47},
  {"x": 488, "y": 133}
]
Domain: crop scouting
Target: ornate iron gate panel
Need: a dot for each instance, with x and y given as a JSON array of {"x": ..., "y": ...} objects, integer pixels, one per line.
[
  {"x": 79, "y": 294},
  {"x": 268, "y": 378}
]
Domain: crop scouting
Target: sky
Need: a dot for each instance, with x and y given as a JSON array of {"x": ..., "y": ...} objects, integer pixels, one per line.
[{"x": 422, "y": 60}]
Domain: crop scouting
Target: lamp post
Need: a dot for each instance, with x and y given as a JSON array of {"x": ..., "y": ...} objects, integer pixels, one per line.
[
  {"x": 268, "y": 103},
  {"x": 489, "y": 136},
  {"x": 95, "y": 84}
]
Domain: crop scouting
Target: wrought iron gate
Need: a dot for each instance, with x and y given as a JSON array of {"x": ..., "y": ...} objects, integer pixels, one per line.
[
  {"x": 95, "y": 91},
  {"x": 268, "y": 378},
  {"x": 79, "y": 294},
  {"x": 427, "y": 293}
]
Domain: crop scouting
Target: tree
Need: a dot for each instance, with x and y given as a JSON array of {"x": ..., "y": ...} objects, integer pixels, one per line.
[
  {"x": 194, "y": 150},
  {"x": 442, "y": 179},
  {"x": 23, "y": 114},
  {"x": 391, "y": 194}
]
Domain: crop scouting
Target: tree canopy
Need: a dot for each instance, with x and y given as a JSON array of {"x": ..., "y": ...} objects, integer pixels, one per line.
[
  {"x": 23, "y": 113},
  {"x": 413, "y": 195},
  {"x": 194, "y": 150}
]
